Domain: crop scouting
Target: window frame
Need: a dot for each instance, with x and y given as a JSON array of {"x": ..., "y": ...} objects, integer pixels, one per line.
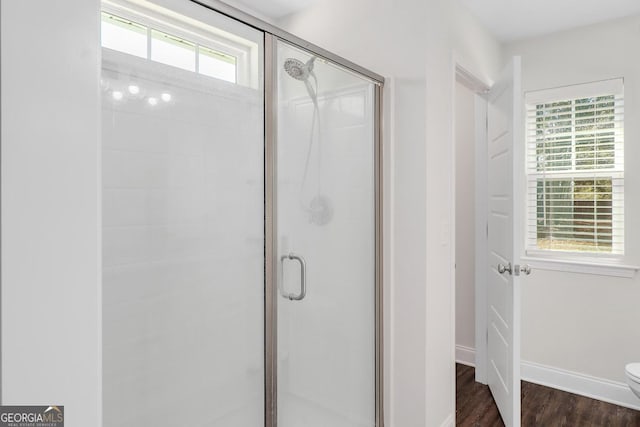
[
  {"x": 607, "y": 263},
  {"x": 154, "y": 20}
]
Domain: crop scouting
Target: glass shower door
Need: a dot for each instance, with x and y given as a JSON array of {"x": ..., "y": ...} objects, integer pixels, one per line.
[
  {"x": 325, "y": 244},
  {"x": 183, "y": 217}
]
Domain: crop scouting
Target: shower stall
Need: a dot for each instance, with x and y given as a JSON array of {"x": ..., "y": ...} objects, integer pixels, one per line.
[{"x": 241, "y": 223}]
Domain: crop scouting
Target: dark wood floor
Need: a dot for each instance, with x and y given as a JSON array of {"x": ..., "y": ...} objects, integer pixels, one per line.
[{"x": 541, "y": 406}]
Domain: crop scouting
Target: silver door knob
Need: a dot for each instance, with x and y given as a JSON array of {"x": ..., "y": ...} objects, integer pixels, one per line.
[
  {"x": 504, "y": 268},
  {"x": 525, "y": 269}
]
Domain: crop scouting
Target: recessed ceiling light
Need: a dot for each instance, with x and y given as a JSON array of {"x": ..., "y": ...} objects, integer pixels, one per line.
[
  {"x": 134, "y": 89},
  {"x": 117, "y": 95},
  {"x": 166, "y": 97},
  {"x": 152, "y": 101}
]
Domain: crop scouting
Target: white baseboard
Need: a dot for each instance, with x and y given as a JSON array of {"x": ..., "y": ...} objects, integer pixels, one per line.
[
  {"x": 450, "y": 421},
  {"x": 614, "y": 392},
  {"x": 585, "y": 385},
  {"x": 466, "y": 355}
]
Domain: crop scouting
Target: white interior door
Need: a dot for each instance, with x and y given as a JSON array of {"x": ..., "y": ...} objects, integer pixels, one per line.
[{"x": 503, "y": 296}]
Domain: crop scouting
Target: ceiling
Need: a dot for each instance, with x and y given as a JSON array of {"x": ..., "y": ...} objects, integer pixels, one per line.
[
  {"x": 508, "y": 20},
  {"x": 511, "y": 20},
  {"x": 275, "y": 9}
]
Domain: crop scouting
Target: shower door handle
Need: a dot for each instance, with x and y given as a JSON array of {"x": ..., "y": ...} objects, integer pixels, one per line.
[{"x": 303, "y": 277}]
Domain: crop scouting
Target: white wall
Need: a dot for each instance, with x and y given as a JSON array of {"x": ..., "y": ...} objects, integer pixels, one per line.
[
  {"x": 51, "y": 327},
  {"x": 465, "y": 218},
  {"x": 577, "y": 322},
  {"x": 413, "y": 44}
]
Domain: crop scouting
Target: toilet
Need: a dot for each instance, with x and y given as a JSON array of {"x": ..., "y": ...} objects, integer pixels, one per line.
[{"x": 632, "y": 371}]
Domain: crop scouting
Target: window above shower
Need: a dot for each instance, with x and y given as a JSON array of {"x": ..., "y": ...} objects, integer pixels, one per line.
[{"x": 146, "y": 31}]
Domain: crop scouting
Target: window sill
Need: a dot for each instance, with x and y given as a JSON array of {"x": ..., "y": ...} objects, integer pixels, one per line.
[{"x": 584, "y": 267}]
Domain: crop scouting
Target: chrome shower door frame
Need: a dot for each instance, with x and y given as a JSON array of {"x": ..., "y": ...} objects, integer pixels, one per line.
[{"x": 271, "y": 35}]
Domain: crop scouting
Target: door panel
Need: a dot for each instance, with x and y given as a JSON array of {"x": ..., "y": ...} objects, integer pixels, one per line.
[
  {"x": 325, "y": 244},
  {"x": 503, "y": 292}
]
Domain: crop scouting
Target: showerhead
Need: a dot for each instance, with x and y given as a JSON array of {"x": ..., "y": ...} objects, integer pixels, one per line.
[
  {"x": 298, "y": 69},
  {"x": 302, "y": 71}
]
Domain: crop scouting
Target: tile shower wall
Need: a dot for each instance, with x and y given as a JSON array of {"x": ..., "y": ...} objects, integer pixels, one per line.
[{"x": 183, "y": 249}]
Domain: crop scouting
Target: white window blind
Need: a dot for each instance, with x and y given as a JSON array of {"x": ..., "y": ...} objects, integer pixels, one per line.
[{"x": 575, "y": 169}]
